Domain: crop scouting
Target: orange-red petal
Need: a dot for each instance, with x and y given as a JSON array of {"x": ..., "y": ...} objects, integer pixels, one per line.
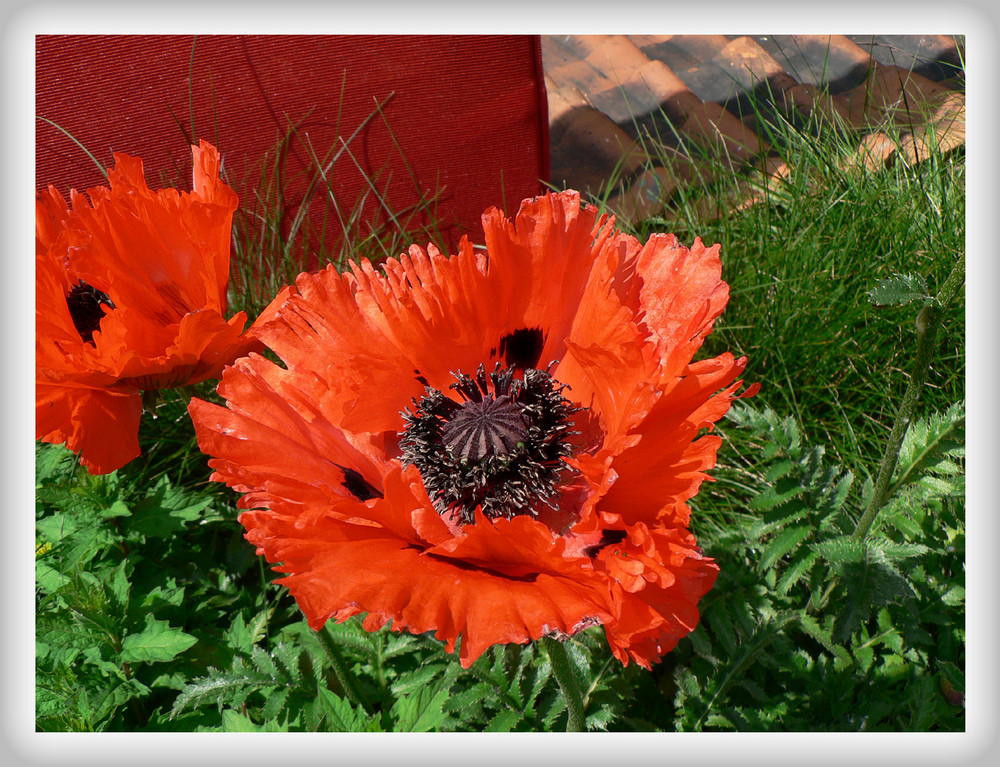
[{"x": 101, "y": 425}]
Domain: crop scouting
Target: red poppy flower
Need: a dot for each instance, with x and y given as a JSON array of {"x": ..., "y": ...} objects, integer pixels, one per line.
[
  {"x": 130, "y": 297},
  {"x": 496, "y": 446}
]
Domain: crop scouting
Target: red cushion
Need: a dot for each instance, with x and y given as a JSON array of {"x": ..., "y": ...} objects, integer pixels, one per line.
[{"x": 464, "y": 117}]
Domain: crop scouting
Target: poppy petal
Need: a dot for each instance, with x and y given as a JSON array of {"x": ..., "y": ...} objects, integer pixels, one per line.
[
  {"x": 667, "y": 465},
  {"x": 339, "y": 570},
  {"x": 101, "y": 425}
]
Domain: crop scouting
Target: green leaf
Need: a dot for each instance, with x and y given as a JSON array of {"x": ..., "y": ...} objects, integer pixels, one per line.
[
  {"x": 812, "y": 628},
  {"x": 782, "y": 544},
  {"x": 234, "y": 721},
  {"x": 119, "y": 588},
  {"x": 166, "y": 510},
  {"x": 341, "y": 716},
  {"x": 275, "y": 703},
  {"x": 422, "y": 710},
  {"x": 221, "y": 686},
  {"x": 505, "y": 721},
  {"x": 48, "y": 579},
  {"x": 923, "y": 704},
  {"x": 841, "y": 551},
  {"x": 421, "y": 677},
  {"x": 779, "y": 469},
  {"x": 929, "y": 442},
  {"x": 899, "y": 289},
  {"x": 773, "y": 497},
  {"x": 52, "y": 461},
  {"x": 468, "y": 705},
  {"x": 796, "y": 570},
  {"x": 954, "y": 597},
  {"x": 869, "y": 586},
  {"x": 157, "y": 642},
  {"x": 882, "y": 549},
  {"x": 952, "y": 674}
]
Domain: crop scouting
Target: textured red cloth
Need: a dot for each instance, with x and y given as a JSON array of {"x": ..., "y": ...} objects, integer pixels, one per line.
[{"x": 463, "y": 119}]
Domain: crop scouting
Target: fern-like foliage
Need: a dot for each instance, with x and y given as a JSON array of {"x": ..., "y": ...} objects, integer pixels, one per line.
[
  {"x": 340, "y": 680},
  {"x": 803, "y": 615}
]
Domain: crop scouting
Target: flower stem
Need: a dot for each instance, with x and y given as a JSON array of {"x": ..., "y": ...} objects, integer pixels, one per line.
[
  {"x": 567, "y": 683},
  {"x": 344, "y": 676},
  {"x": 928, "y": 322}
]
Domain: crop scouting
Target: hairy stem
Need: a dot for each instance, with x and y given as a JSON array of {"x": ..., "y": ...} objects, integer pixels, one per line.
[
  {"x": 928, "y": 322},
  {"x": 344, "y": 676},
  {"x": 567, "y": 683}
]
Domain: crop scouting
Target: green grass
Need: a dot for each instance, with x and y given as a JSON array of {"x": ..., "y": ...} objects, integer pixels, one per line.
[
  {"x": 800, "y": 264},
  {"x": 804, "y": 630}
]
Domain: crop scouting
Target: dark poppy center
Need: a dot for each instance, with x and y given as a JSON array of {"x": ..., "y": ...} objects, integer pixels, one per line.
[
  {"x": 85, "y": 304},
  {"x": 487, "y": 427},
  {"x": 499, "y": 446}
]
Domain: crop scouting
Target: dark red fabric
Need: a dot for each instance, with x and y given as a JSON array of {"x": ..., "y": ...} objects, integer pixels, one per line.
[{"x": 464, "y": 118}]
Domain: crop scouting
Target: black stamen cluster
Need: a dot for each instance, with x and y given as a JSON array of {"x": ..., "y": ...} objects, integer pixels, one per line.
[
  {"x": 500, "y": 448},
  {"x": 85, "y": 302}
]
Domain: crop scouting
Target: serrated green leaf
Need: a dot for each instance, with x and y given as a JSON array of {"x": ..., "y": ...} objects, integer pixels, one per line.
[
  {"x": 783, "y": 544},
  {"x": 234, "y": 721},
  {"x": 399, "y": 644},
  {"x": 52, "y": 461},
  {"x": 841, "y": 551},
  {"x": 868, "y": 586},
  {"x": 942, "y": 487},
  {"x": 341, "y": 716},
  {"x": 599, "y": 719},
  {"x": 237, "y": 635},
  {"x": 811, "y": 627},
  {"x": 551, "y": 708},
  {"x": 772, "y": 497},
  {"x": 897, "y": 513},
  {"x": 219, "y": 685},
  {"x": 841, "y": 489},
  {"x": 798, "y": 568},
  {"x": 422, "y": 710},
  {"x": 119, "y": 588},
  {"x": 779, "y": 469},
  {"x": 406, "y": 682},
  {"x": 505, "y": 721},
  {"x": 169, "y": 594},
  {"x": 954, "y": 597},
  {"x": 952, "y": 674},
  {"x": 720, "y": 622},
  {"x": 780, "y": 517},
  {"x": 286, "y": 660},
  {"x": 864, "y": 654},
  {"x": 899, "y": 289},
  {"x": 467, "y": 703},
  {"x": 880, "y": 549},
  {"x": 264, "y": 662},
  {"x": 166, "y": 510},
  {"x": 157, "y": 642},
  {"x": 48, "y": 579},
  {"x": 351, "y": 635},
  {"x": 275, "y": 703},
  {"x": 930, "y": 440},
  {"x": 923, "y": 705}
]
